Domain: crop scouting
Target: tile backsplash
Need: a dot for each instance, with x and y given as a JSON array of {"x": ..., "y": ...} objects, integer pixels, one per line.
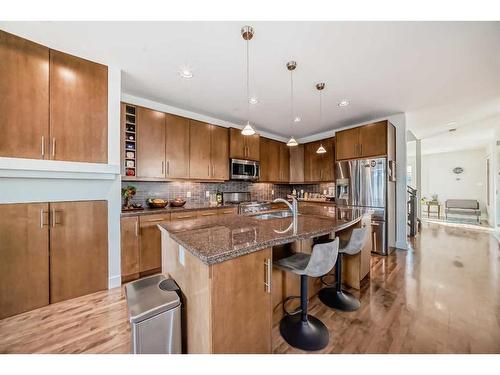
[{"x": 197, "y": 190}]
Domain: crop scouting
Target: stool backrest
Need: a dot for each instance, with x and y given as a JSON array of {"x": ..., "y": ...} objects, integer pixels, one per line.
[
  {"x": 323, "y": 258},
  {"x": 359, "y": 237}
]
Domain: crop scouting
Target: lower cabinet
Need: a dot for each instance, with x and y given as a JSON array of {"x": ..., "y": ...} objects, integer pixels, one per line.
[
  {"x": 150, "y": 242},
  {"x": 51, "y": 252},
  {"x": 130, "y": 248}
]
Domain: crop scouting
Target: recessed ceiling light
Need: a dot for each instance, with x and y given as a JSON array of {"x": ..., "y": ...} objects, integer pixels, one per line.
[
  {"x": 253, "y": 100},
  {"x": 186, "y": 73},
  {"x": 343, "y": 103},
  {"x": 452, "y": 130},
  {"x": 297, "y": 119}
]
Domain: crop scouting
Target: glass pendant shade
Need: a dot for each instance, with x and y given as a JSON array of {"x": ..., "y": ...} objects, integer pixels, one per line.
[
  {"x": 292, "y": 142},
  {"x": 248, "y": 130},
  {"x": 321, "y": 150}
]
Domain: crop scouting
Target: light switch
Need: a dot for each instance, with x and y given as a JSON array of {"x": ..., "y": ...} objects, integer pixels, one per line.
[
  {"x": 188, "y": 194},
  {"x": 207, "y": 194}
]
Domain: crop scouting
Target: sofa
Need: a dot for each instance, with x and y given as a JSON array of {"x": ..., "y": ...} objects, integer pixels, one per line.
[{"x": 463, "y": 207}]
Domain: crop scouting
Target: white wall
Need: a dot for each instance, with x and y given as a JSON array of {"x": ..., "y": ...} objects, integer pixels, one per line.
[
  {"x": 28, "y": 180},
  {"x": 438, "y": 177}
]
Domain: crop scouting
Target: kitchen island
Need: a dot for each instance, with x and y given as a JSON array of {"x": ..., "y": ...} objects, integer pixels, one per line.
[{"x": 223, "y": 266}]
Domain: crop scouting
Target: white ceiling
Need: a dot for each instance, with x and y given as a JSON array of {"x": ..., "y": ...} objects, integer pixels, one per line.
[{"x": 436, "y": 72}]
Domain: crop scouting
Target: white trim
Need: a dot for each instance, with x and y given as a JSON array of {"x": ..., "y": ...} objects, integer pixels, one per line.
[
  {"x": 402, "y": 246},
  {"x": 143, "y": 102},
  {"x": 114, "y": 281}
]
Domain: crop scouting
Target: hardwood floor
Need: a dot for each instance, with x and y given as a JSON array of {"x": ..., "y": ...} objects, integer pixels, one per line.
[{"x": 443, "y": 296}]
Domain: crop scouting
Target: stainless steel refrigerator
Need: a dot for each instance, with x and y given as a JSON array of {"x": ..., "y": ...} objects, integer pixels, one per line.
[{"x": 364, "y": 183}]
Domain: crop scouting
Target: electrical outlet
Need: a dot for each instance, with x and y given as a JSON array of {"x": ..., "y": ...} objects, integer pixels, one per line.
[
  {"x": 207, "y": 194},
  {"x": 324, "y": 192},
  {"x": 188, "y": 194},
  {"x": 272, "y": 193}
]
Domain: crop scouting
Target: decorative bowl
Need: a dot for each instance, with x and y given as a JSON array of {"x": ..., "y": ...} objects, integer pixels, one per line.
[
  {"x": 177, "y": 203},
  {"x": 157, "y": 203}
]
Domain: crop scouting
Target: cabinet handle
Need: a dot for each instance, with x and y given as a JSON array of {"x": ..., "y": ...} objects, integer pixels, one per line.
[
  {"x": 209, "y": 170},
  {"x": 54, "y": 220},
  {"x": 268, "y": 273},
  {"x": 162, "y": 167},
  {"x": 168, "y": 167},
  {"x": 137, "y": 228},
  {"x": 185, "y": 217},
  {"x": 43, "y": 146},
  {"x": 213, "y": 170},
  {"x": 54, "y": 147},
  {"x": 360, "y": 149},
  {"x": 209, "y": 214},
  {"x": 42, "y": 223}
]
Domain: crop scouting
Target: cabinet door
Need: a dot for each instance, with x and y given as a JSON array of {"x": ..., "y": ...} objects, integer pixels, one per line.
[
  {"x": 241, "y": 304},
  {"x": 253, "y": 147},
  {"x": 150, "y": 241},
  {"x": 328, "y": 160},
  {"x": 24, "y": 93},
  {"x": 312, "y": 162},
  {"x": 347, "y": 144},
  {"x": 24, "y": 257},
  {"x": 373, "y": 139},
  {"x": 219, "y": 153},
  {"x": 78, "y": 249},
  {"x": 78, "y": 109},
  {"x": 199, "y": 150},
  {"x": 177, "y": 146},
  {"x": 237, "y": 144},
  {"x": 297, "y": 164},
  {"x": 150, "y": 142},
  {"x": 129, "y": 246},
  {"x": 284, "y": 174},
  {"x": 269, "y": 160}
]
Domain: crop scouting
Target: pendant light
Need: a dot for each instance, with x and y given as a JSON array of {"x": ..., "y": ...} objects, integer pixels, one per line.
[
  {"x": 247, "y": 34},
  {"x": 320, "y": 87},
  {"x": 291, "y": 65}
]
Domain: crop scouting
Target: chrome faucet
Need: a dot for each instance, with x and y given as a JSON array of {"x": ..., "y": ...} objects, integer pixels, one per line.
[{"x": 294, "y": 207}]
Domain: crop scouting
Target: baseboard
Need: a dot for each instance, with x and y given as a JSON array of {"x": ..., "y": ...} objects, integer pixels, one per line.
[{"x": 114, "y": 281}]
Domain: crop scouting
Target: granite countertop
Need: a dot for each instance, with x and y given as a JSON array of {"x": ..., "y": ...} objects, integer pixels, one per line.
[
  {"x": 217, "y": 239},
  {"x": 186, "y": 207}
]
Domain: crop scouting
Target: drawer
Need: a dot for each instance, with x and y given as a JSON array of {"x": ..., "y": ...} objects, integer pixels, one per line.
[
  {"x": 228, "y": 211},
  {"x": 207, "y": 213},
  {"x": 150, "y": 220},
  {"x": 189, "y": 215}
]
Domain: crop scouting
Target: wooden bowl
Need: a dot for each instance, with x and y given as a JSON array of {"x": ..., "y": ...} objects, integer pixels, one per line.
[
  {"x": 152, "y": 204},
  {"x": 177, "y": 203}
]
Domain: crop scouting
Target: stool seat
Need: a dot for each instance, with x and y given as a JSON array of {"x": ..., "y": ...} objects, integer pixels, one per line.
[
  {"x": 335, "y": 297},
  {"x": 305, "y": 331}
]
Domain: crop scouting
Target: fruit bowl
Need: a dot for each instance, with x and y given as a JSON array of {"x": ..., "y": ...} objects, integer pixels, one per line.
[
  {"x": 157, "y": 203},
  {"x": 177, "y": 202}
]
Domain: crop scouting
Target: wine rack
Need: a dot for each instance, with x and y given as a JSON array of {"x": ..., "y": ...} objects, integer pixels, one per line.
[{"x": 130, "y": 140}]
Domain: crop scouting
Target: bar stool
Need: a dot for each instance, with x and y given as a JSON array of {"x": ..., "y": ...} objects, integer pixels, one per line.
[
  {"x": 335, "y": 297},
  {"x": 299, "y": 329}
]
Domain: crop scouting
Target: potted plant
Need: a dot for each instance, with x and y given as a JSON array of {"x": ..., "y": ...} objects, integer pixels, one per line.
[{"x": 127, "y": 193}]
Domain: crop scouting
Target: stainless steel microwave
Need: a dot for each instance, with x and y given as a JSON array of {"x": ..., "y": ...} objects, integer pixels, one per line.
[{"x": 244, "y": 170}]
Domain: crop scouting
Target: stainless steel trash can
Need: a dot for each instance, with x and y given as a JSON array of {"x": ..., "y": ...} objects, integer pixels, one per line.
[{"x": 154, "y": 308}]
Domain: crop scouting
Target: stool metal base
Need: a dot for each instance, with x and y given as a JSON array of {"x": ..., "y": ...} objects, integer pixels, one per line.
[
  {"x": 338, "y": 299},
  {"x": 309, "y": 335}
]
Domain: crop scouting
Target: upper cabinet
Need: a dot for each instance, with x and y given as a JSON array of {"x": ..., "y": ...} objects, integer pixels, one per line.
[
  {"x": 78, "y": 109},
  {"x": 177, "y": 146},
  {"x": 361, "y": 142},
  {"x": 243, "y": 146},
  {"x": 208, "y": 151},
  {"x": 150, "y": 151},
  {"x": 274, "y": 161},
  {"x": 24, "y": 93},
  {"x": 319, "y": 167},
  {"x": 297, "y": 164},
  {"x": 54, "y": 105}
]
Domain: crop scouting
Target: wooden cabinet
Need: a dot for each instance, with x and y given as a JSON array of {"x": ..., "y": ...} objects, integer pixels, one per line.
[
  {"x": 209, "y": 154},
  {"x": 274, "y": 161},
  {"x": 243, "y": 146},
  {"x": 241, "y": 304},
  {"x": 150, "y": 151},
  {"x": 78, "y": 249},
  {"x": 177, "y": 146},
  {"x": 54, "y": 105},
  {"x": 78, "y": 109},
  {"x": 24, "y": 93},
  {"x": 297, "y": 164},
  {"x": 24, "y": 257},
  {"x": 150, "y": 242},
  {"x": 130, "y": 248},
  {"x": 51, "y": 252},
  {"x": 319, "y": 167},
  {"x": 362, "y": 142}
]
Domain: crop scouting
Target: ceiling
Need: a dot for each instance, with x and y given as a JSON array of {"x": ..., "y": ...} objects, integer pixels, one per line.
[{"x": 435, "y": 72}]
